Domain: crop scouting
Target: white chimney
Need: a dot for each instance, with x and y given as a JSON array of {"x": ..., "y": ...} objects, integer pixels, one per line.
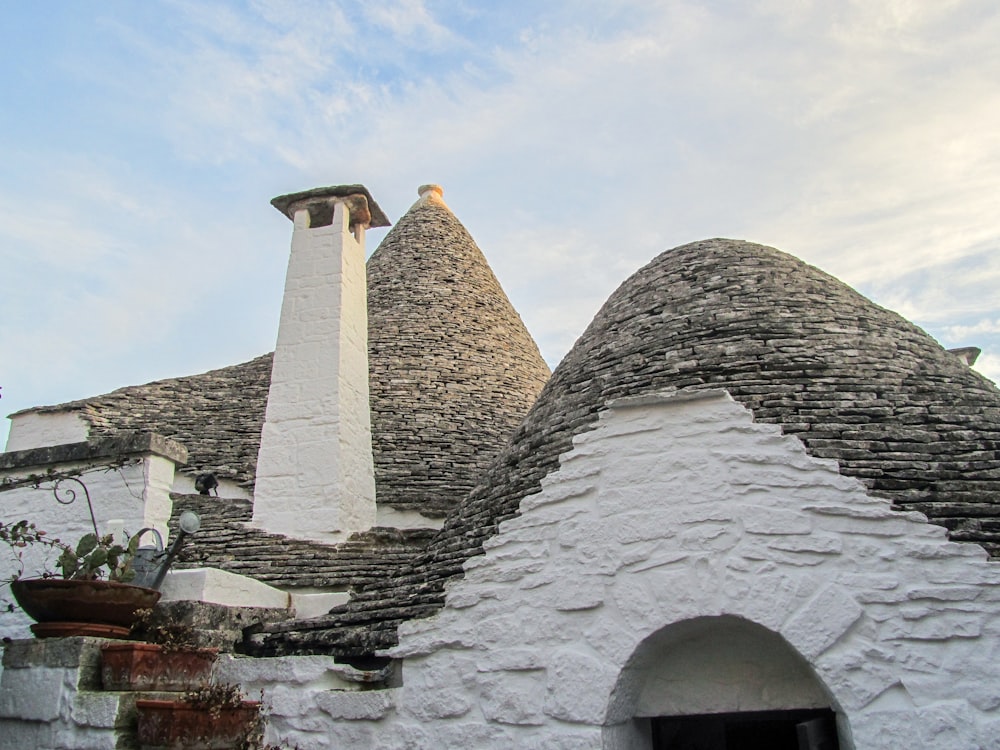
[{"x": 315, "y": 476}]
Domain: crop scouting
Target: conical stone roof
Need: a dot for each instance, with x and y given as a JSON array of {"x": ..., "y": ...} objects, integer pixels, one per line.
[
  {"x": 453, "y": 369},
  {"x": 855, "y": 382},
  {"x": 452, "y": 372}
]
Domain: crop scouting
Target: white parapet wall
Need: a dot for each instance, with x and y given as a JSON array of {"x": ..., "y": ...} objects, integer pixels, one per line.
[
  {"x": 35, "y": 429},
  {"x": 221, "y": 587},
  {"x": 128, "y": 480}
]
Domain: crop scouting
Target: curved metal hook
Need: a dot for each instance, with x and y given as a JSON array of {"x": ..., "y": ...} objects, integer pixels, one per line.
[{"x": 69, "y": 495}]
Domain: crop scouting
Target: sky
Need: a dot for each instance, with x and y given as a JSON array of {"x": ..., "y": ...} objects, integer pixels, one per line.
[{"x": 141, "y": 142}]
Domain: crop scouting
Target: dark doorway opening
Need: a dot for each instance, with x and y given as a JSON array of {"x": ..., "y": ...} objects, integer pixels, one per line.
[{"x": 806, "y": 729}]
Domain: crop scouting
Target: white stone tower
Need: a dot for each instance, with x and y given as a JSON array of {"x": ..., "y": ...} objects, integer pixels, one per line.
[{"x": 315, "y": 476}]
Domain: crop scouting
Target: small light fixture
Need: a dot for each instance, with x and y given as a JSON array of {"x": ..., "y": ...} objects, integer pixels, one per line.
[{"x": 189, "y": 522}]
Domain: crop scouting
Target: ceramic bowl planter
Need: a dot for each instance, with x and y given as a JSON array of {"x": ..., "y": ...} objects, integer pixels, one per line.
[
  {"x": 172, "y": 725},
  {"x": 62, "y": 607},
  {"x": 133, "y": 665}
]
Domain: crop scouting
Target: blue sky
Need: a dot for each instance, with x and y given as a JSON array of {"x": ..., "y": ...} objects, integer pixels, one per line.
[{"x": 142, "y": 141}]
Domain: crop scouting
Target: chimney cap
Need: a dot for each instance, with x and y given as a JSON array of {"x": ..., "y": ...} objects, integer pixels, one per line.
[
  {"x": 286, "y": 203},
  {"x": 968, "y": 354}
]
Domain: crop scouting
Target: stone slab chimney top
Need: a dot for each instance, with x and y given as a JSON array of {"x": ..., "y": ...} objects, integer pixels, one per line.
[
  {"x": 320, "y": 202},
  {"x": 968, "y": 354}
]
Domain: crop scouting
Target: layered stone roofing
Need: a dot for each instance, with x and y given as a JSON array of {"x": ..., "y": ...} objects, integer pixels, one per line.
[
  {"x": 452, "y": 372},
  {"x": 216, "y": 415},
  {"x": 453, "y": 369},
  {"x": 226, "y": 542},
  {"x": 853, "y": 381}
]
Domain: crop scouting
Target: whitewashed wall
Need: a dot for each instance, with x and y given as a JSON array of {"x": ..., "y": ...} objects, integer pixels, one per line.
[
  {"x": 35, "y": 430},
  {"x": 127, "y": 498},
  {"x": 674, "y": 509}
]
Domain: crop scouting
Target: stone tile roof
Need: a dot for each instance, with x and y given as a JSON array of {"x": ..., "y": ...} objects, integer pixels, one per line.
[
  {"x": 453, "y": 372},
  {"x": 226, "y": 542},
  {"x": 453, "y": 369},
  {"x": 216, "y": 415},
  {"x": 853, "y": 381}
]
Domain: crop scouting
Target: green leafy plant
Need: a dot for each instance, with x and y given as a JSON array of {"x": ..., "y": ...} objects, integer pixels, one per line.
[{"x": 92, "y": 557}]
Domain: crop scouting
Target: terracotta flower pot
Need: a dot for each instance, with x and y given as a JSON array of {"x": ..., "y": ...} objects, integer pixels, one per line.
[
  {"x": 132, "y": 665},
  {"x": 55, "y": 603},
  {"x": 172, "y": 725}
]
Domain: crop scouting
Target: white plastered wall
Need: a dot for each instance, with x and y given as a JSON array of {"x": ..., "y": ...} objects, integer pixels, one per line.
[
  {"x": 39, "y": 430},
  {"x": 679, "y": 508}
]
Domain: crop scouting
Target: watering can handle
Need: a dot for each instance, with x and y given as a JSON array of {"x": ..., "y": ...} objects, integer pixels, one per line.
[{"x": 156, "y": 533}]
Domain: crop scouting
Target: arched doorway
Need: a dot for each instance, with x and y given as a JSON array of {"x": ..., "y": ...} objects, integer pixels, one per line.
[{"x": 720, "y": 683}]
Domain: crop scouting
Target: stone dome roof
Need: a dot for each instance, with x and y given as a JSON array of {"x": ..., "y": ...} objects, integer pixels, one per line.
[
  {"x": 453, "y": 369},
  {"x": 800, "y": 349}
]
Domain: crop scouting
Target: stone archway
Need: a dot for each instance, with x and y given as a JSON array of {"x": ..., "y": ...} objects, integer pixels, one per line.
[{"x": 722, "y": 669}]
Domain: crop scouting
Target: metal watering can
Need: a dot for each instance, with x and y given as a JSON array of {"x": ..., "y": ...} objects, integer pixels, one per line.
[{"x": 152, "y": 563}]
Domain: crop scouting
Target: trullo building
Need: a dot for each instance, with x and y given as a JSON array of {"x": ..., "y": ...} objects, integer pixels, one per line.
[{"x": 750, "y": 508}]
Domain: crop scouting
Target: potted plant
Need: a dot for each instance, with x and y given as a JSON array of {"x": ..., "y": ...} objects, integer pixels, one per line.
[
  {"x": 167, "y": 658},
  {"x": 217, "y": 716},
  {"x": 90, "y": 595}
]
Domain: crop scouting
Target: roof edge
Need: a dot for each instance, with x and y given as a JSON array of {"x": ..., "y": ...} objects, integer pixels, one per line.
[{"x": 119, "y": 445}]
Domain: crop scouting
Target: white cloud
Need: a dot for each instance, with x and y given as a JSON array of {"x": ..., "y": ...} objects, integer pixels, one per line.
[
  {"x": 988, "y": 365},
  {"x": 231, "y": 83},
  {"x": 984, "y": 326},
  {"x": 407, "y": 19},
  {"x": 868, "y": 144}
]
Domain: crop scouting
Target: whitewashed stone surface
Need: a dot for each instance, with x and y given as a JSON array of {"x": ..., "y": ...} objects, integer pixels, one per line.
[
  {"x": 34, "y": 430},
  {"x": 670, "y": 523},
  {"x": 684, "y": 509},
  {"x": 315, "y": 472}
]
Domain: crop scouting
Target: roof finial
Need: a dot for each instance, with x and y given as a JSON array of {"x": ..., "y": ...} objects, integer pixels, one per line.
[{"x": 431, "y": 188}]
